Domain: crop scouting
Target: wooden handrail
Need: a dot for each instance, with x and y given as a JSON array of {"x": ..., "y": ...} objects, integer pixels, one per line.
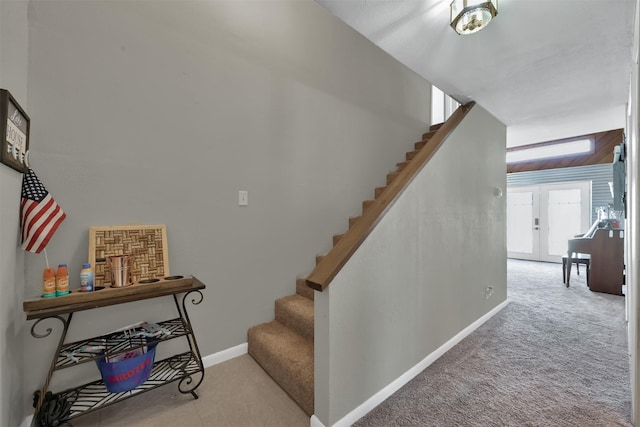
[{"x": 327, "y": 268}]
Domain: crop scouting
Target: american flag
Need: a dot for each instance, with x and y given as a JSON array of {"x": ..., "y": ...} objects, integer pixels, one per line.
[{"x": 40, "y": 214}]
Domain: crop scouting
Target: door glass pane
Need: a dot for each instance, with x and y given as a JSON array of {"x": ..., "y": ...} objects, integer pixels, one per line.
[
  {"x": 564, "y": 219},
  {"x": 520, "y": 222}
]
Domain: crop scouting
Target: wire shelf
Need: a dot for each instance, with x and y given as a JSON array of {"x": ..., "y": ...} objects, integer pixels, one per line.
[
  {"x": 94, "y": 395},
  {"x": 83, "y": 351}
]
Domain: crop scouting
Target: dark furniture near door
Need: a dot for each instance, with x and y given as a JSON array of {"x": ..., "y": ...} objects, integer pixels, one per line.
[
  {"x": 606, "y": 247},
  {"x": 577, "y": 259}
]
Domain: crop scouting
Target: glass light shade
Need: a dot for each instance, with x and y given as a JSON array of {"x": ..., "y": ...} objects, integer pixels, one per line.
[{"x": 470, "y": 16}]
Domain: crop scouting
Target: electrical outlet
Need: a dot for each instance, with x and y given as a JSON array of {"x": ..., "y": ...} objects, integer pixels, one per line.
[
  {"x": 243, "y": 198},
  {"x": 488, "y": 292}
]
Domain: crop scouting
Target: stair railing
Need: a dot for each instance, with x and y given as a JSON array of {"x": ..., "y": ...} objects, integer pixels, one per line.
[{"x": 327, "y": 268}]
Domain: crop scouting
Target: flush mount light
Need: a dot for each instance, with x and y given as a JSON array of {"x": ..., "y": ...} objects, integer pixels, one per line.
[{"x": 470, "y": 16}]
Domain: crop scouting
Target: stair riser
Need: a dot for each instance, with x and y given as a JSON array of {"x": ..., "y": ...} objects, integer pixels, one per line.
[
  {"x": 428, "y": 135},
  {"x": 435, "y": 127},
  {"x": 366, "y": 205},
  {"x": 391, "y": 176},
  {"x": 410, "y": 155},
  {"x": 419, "y": 145},
  {"x": 287, "y": 314}
]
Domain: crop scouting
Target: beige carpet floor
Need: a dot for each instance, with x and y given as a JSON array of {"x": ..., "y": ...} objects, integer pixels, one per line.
[{"x": 235, "y": 393}]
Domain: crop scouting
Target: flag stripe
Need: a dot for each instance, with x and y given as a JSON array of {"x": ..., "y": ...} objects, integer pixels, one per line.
[
  {"x": 41, "y": 227},
  {"x": 27, "y": 207},
  {"x": 41, "y": 215},
  {"x": 33, "y": 213},
  {"x": 36, "y": 212},
  {"x": 51, "y": 228},
  {"x": 39, "y": 233}
]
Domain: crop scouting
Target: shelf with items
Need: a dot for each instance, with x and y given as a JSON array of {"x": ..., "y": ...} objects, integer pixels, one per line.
[
  {"x": 186, "y": 368},
  {"x": 38, "y": 308},
  {"x": 94, "y": 395},
  {"x": 83, "y": 351}
]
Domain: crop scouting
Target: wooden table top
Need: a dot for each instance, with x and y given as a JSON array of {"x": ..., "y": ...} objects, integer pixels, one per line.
[{"x": 76, "y": 300}]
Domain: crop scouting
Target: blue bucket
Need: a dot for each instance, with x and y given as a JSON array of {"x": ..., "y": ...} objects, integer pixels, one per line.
[{"x": 127, "y": 374}]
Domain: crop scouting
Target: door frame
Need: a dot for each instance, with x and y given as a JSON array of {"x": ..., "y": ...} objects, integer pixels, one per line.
[
  {"x": 585, "y": 214},
  {"x": 540, "y": 193},
  {"x": 535, "y": 206}
]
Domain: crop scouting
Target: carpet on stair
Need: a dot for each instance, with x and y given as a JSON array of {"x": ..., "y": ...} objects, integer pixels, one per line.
[
  {"x": 287, "y": 357},
  {"x": 296, "y": 312}
]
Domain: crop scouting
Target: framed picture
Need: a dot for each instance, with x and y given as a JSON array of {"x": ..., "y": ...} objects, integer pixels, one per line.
[
  {"x": 146, "y": 243},
  {"x": 14, "y": 133}
]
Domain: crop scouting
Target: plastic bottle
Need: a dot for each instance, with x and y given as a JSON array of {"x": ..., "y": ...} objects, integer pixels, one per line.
[
  {"x": 49, "y": 283},
  {"x": 62, "y": 280},
  {"x": 86, "y": 278}
]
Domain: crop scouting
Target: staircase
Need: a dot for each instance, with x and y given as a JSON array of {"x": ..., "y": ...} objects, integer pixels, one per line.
[{"x": 284, "y": 346}]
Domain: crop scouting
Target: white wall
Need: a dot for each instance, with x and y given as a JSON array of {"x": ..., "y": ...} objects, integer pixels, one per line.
[
  {"x": 13, "y": 77},
  {"x": 633, "y": 222},
  {"x": 420, "y": 276},
  {"x": 160, "y": 112}
]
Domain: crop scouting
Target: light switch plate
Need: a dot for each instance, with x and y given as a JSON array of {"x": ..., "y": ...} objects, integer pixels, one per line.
[{"x": 243, "y": 198}]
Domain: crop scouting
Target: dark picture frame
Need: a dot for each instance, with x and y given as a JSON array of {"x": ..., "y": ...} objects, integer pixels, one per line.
[{"x": 14, "y": 133}]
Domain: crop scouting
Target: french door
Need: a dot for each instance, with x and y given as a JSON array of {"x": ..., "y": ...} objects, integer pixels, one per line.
[{"x": 540, "y": 219}]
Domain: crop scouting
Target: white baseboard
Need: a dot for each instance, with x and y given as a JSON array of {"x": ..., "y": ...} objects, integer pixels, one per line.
[
  {"x": 224, "y": 355},
  {"x": 315, "y": 422},
  {"x": 394, "y": 386}
]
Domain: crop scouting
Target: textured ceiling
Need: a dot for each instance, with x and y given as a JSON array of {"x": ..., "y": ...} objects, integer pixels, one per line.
[{"x": 538, "y": 59}]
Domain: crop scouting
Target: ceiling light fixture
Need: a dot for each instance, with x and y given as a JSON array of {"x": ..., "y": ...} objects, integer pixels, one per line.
[{"x": 470, "y": 16}]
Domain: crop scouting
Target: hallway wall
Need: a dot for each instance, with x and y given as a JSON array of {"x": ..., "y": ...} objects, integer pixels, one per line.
[{"x": 160, "y": 112}]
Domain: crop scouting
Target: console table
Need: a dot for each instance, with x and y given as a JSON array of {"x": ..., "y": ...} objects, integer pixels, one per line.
[{"x": 186, "y": 368}]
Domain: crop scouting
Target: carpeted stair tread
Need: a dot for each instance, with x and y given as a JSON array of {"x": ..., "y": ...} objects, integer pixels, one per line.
[
  {"x": 303, "y": 290},
  {"x": 287, "y": 357},
  {"x": 296, "y": 312}
]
